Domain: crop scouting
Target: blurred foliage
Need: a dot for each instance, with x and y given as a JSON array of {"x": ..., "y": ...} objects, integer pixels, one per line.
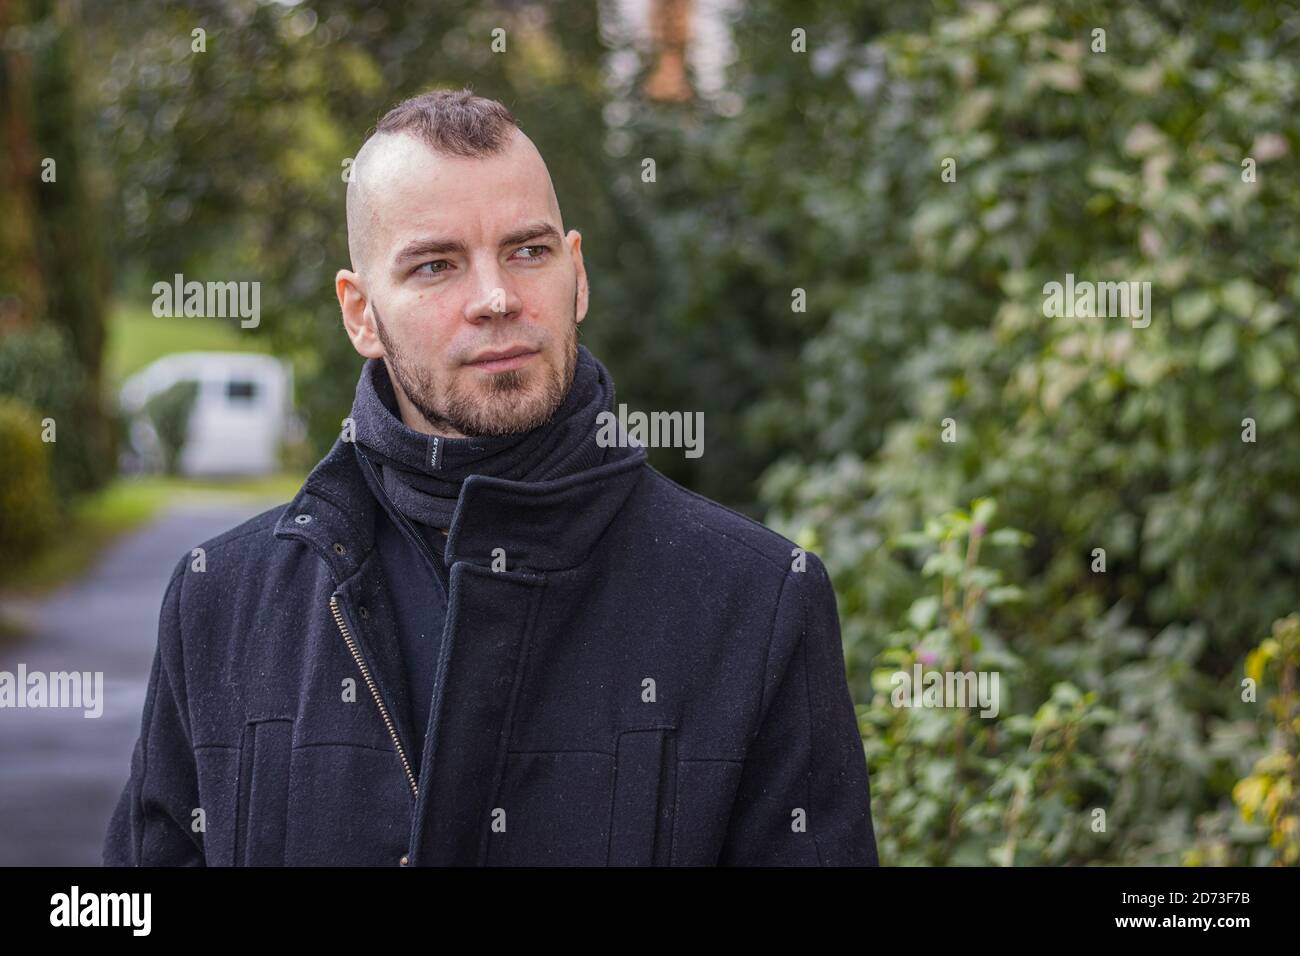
[
  {"x": 54, "y": 284},
  {"x": 28, "y": 511},
  {"x": 169, "y": 411},
  {"x": 1090, "y": 433},
  {"x": 1100, "y": 751},
  {"x": 136, "y": 338},
  {"x": 38, "y": 366},
  {"x": 69, "y": 240},
  {"x": 1272, "y": 791}
]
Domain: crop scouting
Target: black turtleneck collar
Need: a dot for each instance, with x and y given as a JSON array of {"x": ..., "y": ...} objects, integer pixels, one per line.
[
  {"x": 545, "y": 524},
  {"x": 422, "y": 474}
]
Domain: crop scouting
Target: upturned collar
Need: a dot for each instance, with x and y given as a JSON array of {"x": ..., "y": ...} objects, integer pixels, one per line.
[{"x": 542, "y": 525}]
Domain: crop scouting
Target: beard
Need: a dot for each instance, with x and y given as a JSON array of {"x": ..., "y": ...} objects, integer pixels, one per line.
[{"x": 501, "y": 403}]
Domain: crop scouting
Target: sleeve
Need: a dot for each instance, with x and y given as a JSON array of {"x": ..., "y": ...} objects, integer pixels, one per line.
[
  {"x": 804, "y": 798},
  {"x": 152, "y": 823}
]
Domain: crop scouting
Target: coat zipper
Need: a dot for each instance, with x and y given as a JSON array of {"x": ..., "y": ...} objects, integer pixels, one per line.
[{"x": 365, "y": 672}]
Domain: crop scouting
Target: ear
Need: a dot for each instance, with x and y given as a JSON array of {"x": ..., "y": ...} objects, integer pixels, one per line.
[
  {"x": 574, "y": 239},
  {"x": 358, "y": 320}
]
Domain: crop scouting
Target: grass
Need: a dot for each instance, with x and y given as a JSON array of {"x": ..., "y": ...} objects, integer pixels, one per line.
[
  {"x": 137, "y": 337},
  {"x": 96, "y": 520}
]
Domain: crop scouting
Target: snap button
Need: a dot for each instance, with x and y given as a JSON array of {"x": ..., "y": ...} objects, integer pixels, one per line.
[
  {"x": 405, "y": 861},
  {"x": 365, "y": 611},
  {"x": 302, "y": 519},
  {"x": 339, "y": 549}
]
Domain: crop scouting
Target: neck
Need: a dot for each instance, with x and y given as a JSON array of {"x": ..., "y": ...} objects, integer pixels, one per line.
[{"x": 414, "y": 420}]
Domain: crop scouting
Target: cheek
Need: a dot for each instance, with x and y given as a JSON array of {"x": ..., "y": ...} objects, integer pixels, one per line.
[
  {"x": 552, "y": 303},
  {"x": 431, "y": 322}
]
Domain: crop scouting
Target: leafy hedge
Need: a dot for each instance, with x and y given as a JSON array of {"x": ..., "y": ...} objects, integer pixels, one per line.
[
  {"x": 27, "y": 509},
  {"x": 1152, "y": 469},
  {"x": 39, "y": 368}
]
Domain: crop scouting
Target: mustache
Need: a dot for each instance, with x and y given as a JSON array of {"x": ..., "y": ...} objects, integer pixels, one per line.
[{"x": 468, "y": 354}]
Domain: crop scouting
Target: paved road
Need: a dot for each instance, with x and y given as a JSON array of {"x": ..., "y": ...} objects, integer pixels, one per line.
[{"x": 60, "y": 772}]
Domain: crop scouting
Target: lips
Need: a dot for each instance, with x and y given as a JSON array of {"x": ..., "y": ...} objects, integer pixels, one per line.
[
  {"x": 502, "y": 360},
  {"x": 496, "y": 356}
]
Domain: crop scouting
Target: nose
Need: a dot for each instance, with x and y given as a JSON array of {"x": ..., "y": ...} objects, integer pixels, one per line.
[{"x": 495, "y": 295}]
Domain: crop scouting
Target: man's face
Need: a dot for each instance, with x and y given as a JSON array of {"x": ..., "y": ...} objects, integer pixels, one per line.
[{"x": 460, "y": 259}]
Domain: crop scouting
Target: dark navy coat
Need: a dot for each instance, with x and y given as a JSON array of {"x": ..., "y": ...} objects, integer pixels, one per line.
[{"x": 639, "y": 676}]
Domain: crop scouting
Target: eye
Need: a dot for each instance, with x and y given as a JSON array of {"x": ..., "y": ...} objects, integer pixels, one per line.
[
  {"x": 543, "y": 251},
  {"x": 433, "y": 262}
]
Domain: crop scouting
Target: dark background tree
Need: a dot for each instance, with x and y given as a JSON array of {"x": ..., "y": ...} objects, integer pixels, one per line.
[{"x": 53, "y": 284}]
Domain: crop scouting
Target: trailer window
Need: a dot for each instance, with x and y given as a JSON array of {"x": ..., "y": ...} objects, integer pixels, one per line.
[{"x": 241, "y": 391}]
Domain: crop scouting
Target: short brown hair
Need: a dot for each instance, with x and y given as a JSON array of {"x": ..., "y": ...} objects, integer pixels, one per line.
[{"x": 455, "y": 122}]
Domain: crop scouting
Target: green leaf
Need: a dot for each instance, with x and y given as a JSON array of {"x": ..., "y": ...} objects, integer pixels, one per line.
[
  {"x": 1239, "y": 297},
  {"x": 921, "y": 615},
  {"x": 983, "y": 511},
  {"x": 1218, "y": 347},
  {"x": 1263, "y": 365},
  {"x": 1193, "y": 308},
  {"x": 1008, "y": 537},
  {"x": 1006, "y": 594}
]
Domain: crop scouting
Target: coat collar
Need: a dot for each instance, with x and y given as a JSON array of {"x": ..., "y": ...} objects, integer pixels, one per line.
[{"x": 541, "y": 525}]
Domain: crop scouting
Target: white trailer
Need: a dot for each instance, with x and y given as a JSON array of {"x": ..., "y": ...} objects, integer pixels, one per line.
[{"x": 242, "y": 412}]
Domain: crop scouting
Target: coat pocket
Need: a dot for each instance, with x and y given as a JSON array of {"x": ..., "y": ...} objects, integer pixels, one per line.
[
  {"x": 552, "y": 810},
  {"x": 350, "y": 805},
  {"x": 645, "y": 790},
  {"x": 263, "y": 803}
]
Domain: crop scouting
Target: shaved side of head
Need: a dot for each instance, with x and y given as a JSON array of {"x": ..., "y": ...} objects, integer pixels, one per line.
[{"x": 361, "y": 213}]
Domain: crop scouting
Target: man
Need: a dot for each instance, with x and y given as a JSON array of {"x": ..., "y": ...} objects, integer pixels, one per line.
[{"x": 480, "y": 634}]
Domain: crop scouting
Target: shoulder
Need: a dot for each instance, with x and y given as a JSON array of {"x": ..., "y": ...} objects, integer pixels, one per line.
[
  {"x": 747, "y": 564},
  {"x": 744, "y": 541},
  {"x": 203, "y": 580},
  {"x": 248, "y": 536},
  {"x": 235, "y": 558}
]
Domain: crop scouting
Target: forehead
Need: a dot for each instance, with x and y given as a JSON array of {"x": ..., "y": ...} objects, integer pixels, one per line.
[{"x": 413, "y": 191}]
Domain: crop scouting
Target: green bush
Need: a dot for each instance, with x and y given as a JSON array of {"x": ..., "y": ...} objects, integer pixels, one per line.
[
  {"x": 1272, "y": 791},
  {"x": 38, "y": 367},
  {"x": 27, "y": 509},
  {"x": 169, "y": 411},
  {"x": 1154, "y": 466},
  {"x": 1098, "y": 750}
]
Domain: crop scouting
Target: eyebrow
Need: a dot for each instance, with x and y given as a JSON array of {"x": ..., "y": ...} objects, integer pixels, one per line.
[{"x": 419, "y": 248}]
